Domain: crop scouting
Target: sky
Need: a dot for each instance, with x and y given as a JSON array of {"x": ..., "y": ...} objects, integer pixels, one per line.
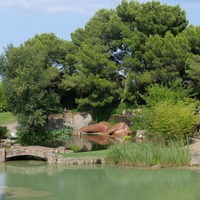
[{"x": 22, "y": 19}]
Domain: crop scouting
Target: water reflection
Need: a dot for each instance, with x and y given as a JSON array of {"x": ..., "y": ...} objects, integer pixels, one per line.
[{"x": 37, "y": 180}]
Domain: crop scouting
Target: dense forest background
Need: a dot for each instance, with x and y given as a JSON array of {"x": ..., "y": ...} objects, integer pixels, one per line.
[{"x": 120, "y": 57}]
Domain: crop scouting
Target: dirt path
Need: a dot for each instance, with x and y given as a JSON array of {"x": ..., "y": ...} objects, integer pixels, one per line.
[{"x": 12, "y": 127}]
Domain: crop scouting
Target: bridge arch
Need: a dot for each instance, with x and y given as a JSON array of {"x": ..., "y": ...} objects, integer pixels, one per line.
[{"x": 44, "y": 153}]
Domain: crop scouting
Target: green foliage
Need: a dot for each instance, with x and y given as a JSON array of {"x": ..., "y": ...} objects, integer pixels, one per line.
[
  {"x": 169, "y": 113},
  {"x": 153, "y": 17},
  {"x": 158, "y": 93},
  {"x": 100, "y": 92},
  {"x": 75, "y": 148},
  {"x": 148, "y": 154},
  {"x": 166, "y": 121},
  {"x": 30, "y": 84},
  {"x": 3, "y": 132},
  {"x": 166, "y": 57},
  {"x": 192, "y": 34},
  {"x": 135, "y": 39},
  {"x": 3, "y": 105},
  {"x": 193, "y": 72}
]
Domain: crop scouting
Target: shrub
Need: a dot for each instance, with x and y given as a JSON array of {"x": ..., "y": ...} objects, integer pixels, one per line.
[
  {"x": 3, "y": 132},
  {"x": 75, "y": 148},
  {"x": 169, "y": 113},
  {"x": 166, "y": 121}
]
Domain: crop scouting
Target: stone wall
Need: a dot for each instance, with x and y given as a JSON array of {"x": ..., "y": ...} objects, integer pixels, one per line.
[{"x": 79, "y": 161}]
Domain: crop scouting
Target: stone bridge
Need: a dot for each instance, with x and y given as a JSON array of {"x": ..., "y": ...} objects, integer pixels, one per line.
[
  {"x": 48, "y": 154},
  {"x": 51, "y": 155}
]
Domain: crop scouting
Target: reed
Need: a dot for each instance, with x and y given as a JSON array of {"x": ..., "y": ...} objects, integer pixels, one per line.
[{"x": 149, "y": 154}]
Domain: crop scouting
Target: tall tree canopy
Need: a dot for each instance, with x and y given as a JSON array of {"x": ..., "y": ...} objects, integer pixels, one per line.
[{"x": 127, "y": 48}]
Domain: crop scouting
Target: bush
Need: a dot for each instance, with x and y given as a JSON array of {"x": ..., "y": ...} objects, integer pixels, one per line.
[
  {"x": 149, "y": 154},
  {"x": 165, "y": 121},
  {"x": 169, "y": 114},
  {"x": 3, "y": 132}
]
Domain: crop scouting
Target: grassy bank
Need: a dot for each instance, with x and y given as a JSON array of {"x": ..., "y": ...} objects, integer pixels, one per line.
[
  {"x": 97, "y": 154},
  {"x": 148, "y": 154},
  {"x": 7, "y": 117}
]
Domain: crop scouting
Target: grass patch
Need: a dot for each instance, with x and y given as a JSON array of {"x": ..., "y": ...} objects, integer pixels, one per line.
[
  {"x": 97, "y": 154},
  {"x": 148, "y": 154},
  {"x": 7, "y": 117}
]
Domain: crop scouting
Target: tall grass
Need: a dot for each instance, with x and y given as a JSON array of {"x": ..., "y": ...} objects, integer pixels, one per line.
[{"x": 148, "y": 154}]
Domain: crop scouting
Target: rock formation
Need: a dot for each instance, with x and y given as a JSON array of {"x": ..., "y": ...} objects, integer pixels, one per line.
[{"x": 103, "y": 133}]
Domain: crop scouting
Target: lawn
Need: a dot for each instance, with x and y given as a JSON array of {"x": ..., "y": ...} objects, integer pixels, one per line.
[
  {"x": 7, "y": 117},
  {"x": 97, "y": 154}
]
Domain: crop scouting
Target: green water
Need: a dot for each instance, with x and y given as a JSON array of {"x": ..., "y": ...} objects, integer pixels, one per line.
[{"x": 24, "y": 180}]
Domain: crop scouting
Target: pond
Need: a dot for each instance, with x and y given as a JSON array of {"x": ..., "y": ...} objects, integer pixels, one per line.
[{"x": 24, "y": 180}]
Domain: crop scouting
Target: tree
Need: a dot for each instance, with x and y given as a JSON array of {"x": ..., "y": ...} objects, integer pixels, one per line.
[
  {"x": 193, "y": 72},
  {"x": 113, "y": 46},
  {"x": 152, "y": 17},
  {"x": 93, "y": 78},
  {"x": 166, "y": 57},
  {"x": 130, "y": 47},
  {"x": 192, "y": 35},
  {"x": 193, "y": 59},
  {"x": 30, "y": 83}
]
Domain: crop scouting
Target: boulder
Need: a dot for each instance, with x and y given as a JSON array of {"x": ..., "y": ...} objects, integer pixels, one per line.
[
  {"x": 68, "y": 119},
  {"x": 140, "y": 134}
]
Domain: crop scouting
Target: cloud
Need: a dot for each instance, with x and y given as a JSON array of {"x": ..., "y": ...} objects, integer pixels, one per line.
[{"x": 75, "y": 6}]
